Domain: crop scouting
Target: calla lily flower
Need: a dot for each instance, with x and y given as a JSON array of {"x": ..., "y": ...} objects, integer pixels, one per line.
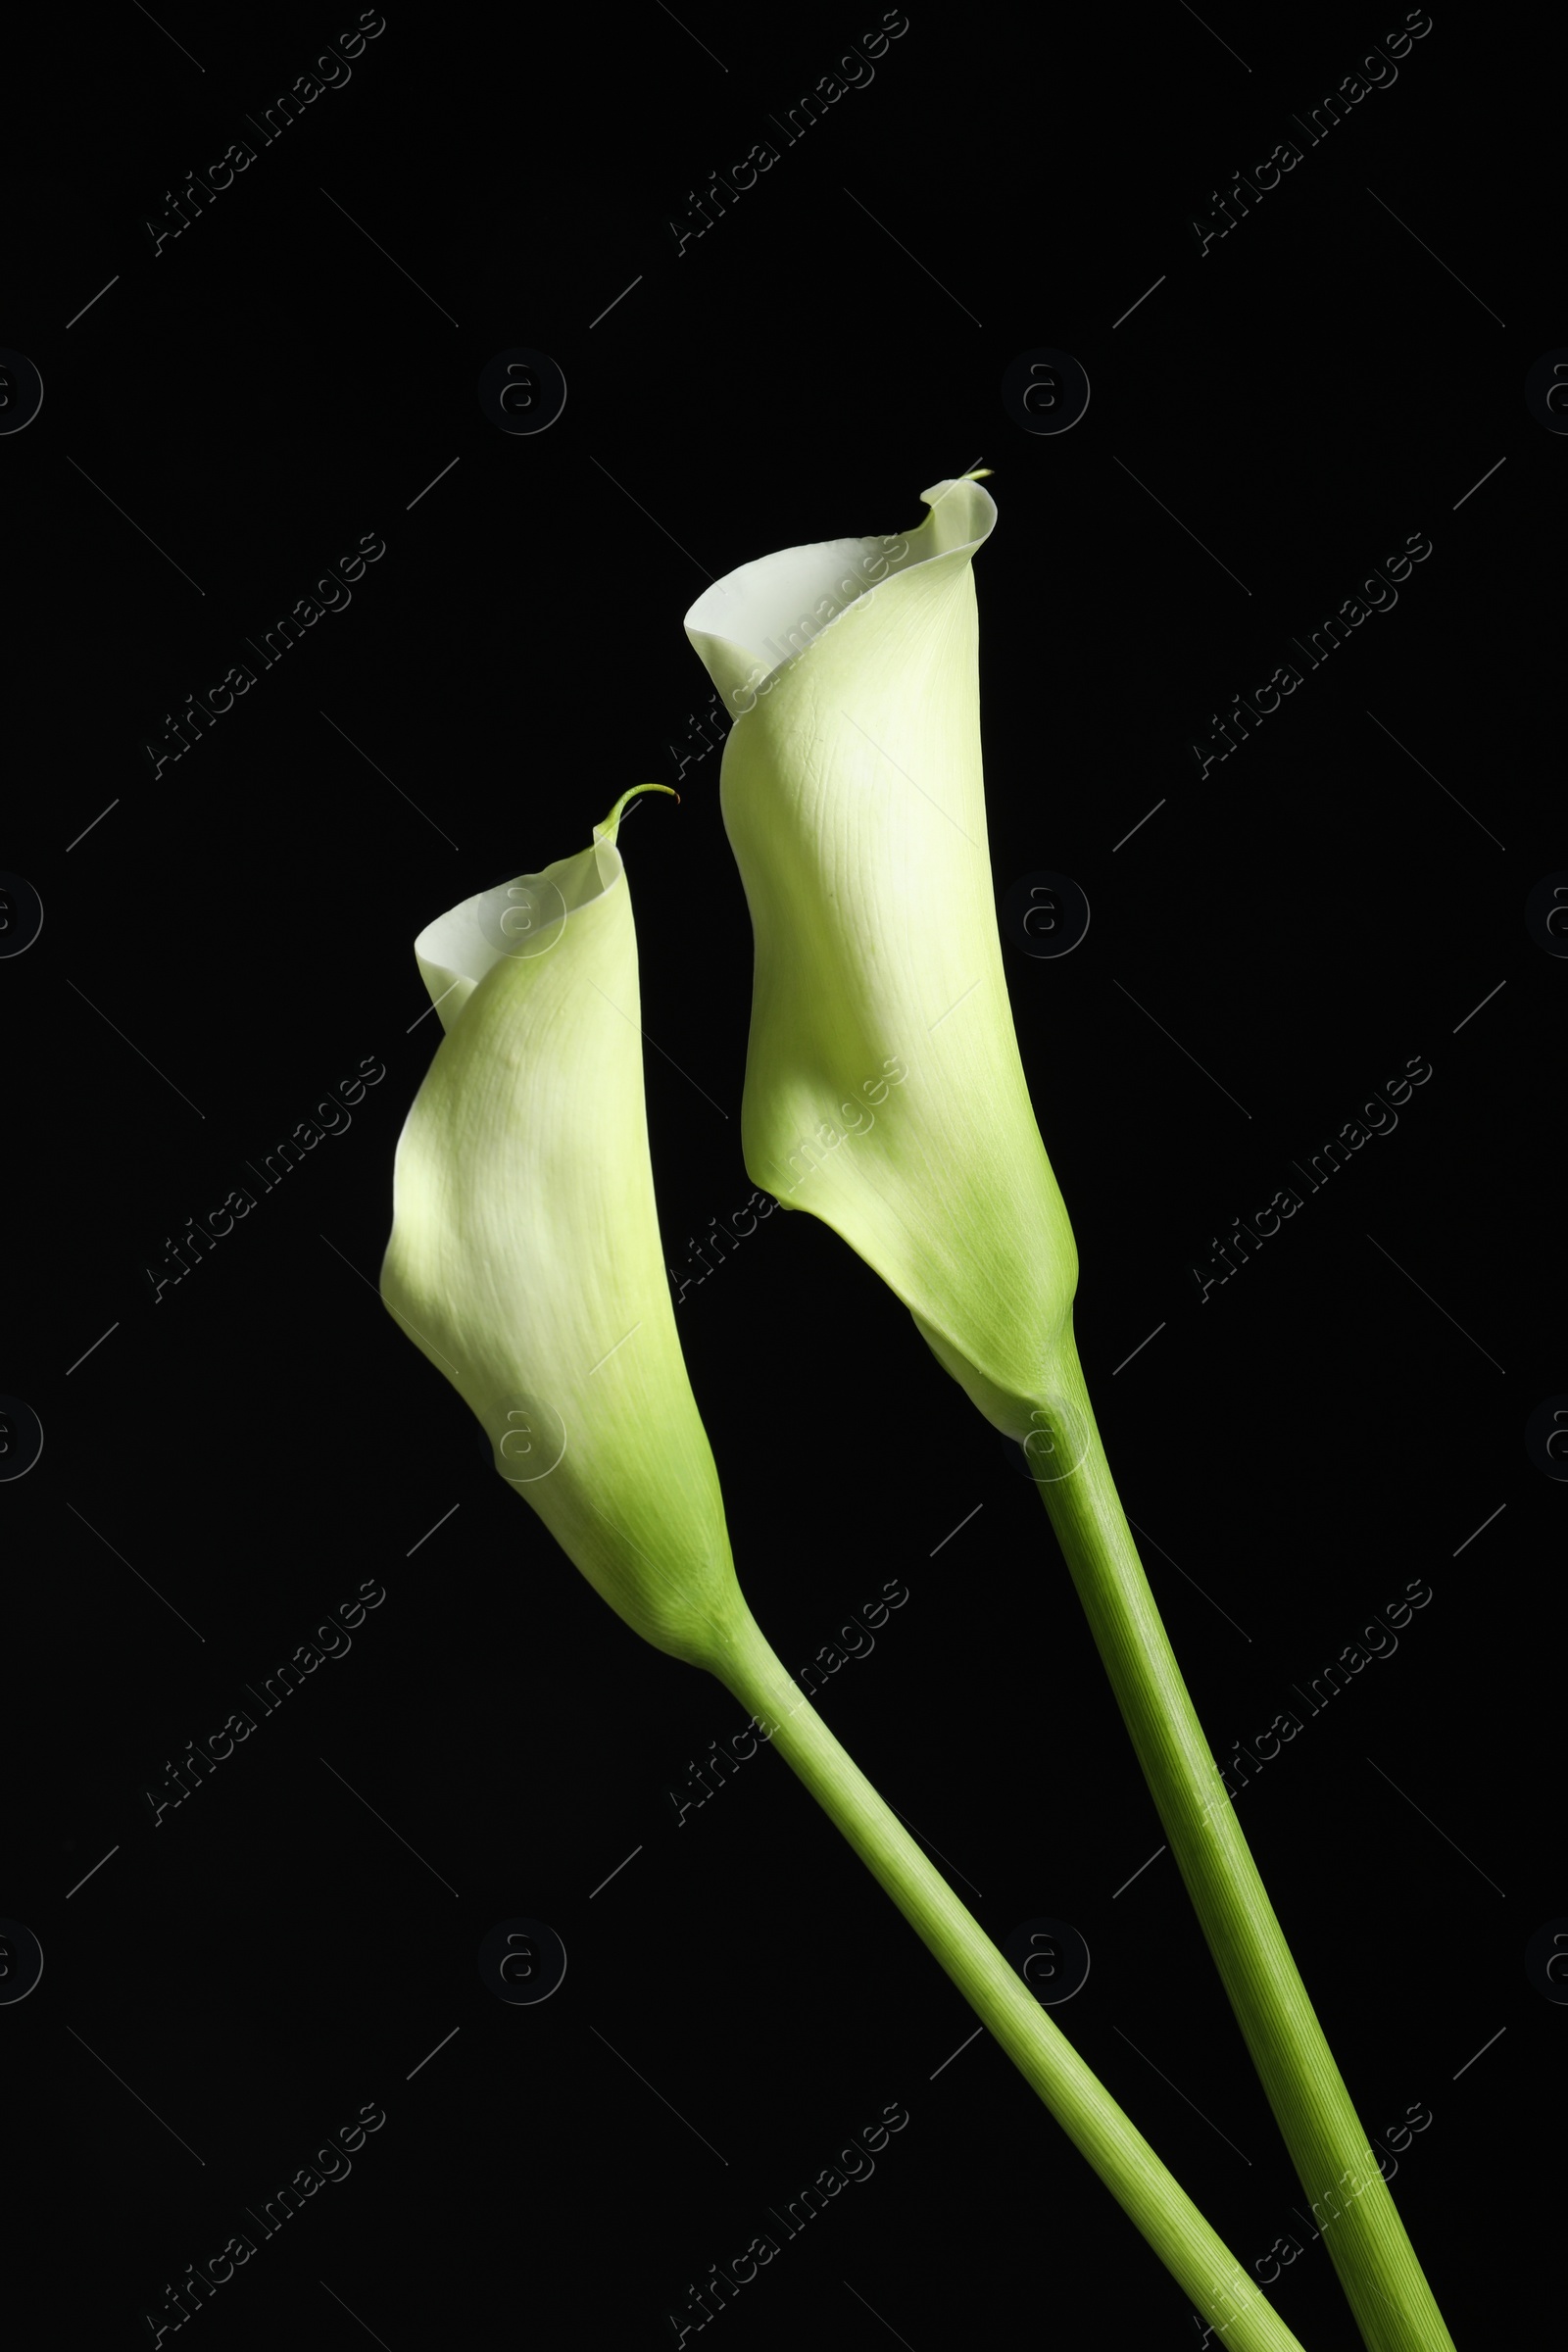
[
  {"x": 852, "y": 796},
  {"x": 526, "y": 1263},
  {"x": 883, "y": 1090},
  {"x": 525, "y": 1260}
]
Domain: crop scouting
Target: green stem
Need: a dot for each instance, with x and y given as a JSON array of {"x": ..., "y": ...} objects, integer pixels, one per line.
[
  {"x": 1189, "y": 2248},
  {"x": 1383, "y": 2282}
]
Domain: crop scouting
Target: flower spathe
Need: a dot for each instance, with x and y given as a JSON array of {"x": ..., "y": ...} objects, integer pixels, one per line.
[
  {"x": 883, "y": 1090},
  {"x": 525, "y": 1260}
]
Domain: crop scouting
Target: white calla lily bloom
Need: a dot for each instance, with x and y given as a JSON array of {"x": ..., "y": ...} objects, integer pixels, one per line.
[
  {"x": 526, "y": 1259},
  {"x": 883, "y": 1090}
]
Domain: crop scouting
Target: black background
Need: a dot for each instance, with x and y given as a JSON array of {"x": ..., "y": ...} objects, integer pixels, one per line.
[{"x": 226, "y": 943}]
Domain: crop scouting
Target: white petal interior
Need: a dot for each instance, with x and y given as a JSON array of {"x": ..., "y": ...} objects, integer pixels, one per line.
[
  {"x": 522, "y": 918},
  {"x": 766, "y": 613}
]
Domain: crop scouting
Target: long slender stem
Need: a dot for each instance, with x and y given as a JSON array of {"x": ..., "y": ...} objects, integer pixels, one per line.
[
  {"x": 1189, "y": 2248},
  {"x": 1383, "y": 2282}
]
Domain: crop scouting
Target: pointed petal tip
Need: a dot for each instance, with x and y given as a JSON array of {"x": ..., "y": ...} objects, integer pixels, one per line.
[{"x": 611, "y": 824}]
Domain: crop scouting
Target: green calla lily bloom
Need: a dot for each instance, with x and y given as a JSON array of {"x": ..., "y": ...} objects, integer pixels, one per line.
[
  {"x": 883, "y": 1089},
  {"x": 525, "y": 1259}
]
